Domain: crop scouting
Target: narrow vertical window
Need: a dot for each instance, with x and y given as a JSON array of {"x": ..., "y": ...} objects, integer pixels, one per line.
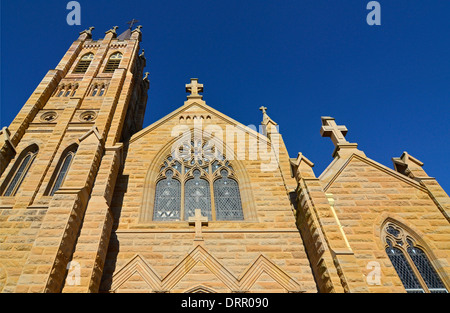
[
  {"x": 426, "y": 270},
  {"x": 75, "y": 88},
  {"x": 197, "y": 196},
  {"x": 168, "y": 197},
  {"x": 227, "y": 198},
  {"x": 113, "y": 62},
  {"x": 94, "y": 93},
  {"x": 84, "y": 63},
  {"x": 102, "y": 92},
  {"x": 403, "y": 269},
  {"x": 62, "y": 172},
  {"x": 19, "y": 175}
]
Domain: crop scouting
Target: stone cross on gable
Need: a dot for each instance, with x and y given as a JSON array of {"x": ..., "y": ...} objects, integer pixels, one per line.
[
  {"x": 194, "y": 88},
  {"x": 198, "y": 220},
  {"x": 263, "y": 109},
  {"x": 331, "y": 129}
]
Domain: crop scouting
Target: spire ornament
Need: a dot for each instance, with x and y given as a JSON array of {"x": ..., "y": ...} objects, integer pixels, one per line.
[
  {"x": 88, "y": 32},
  {"x": 268, "y": 125}
]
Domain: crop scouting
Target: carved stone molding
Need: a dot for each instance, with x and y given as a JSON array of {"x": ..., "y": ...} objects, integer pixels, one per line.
[
  {"x": 88, "y": 116},
  {"x": 49, "y": 117},
  {"x": 199, "y": 255}
]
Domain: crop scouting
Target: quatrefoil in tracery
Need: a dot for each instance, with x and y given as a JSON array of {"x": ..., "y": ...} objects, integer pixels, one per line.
[
  {"x": 191, "y": 156},
  {"x": 88, "y": 116},
  {"x": 49, "y": 117}
]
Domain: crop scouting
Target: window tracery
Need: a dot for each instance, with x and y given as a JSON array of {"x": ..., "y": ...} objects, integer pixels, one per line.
[
  {"x": 411, "y": 262},
  {"x": 200, "y": 178}
]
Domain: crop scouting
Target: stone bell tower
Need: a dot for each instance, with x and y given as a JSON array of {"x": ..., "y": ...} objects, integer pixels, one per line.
[{"x": 59, "y": 160}]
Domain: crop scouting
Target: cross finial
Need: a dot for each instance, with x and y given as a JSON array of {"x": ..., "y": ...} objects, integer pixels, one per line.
[
  {"x": 331, "y": 129},
  {"x": 194, "y": 88},
  {"x": 132, "y": 22},
  {"x": 198, "y": 220},
  {"x": 266, "y": 121}
]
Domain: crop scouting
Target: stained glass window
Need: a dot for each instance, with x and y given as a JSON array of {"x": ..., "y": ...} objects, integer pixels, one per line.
[
  {"x": 411, "y": 262},
  {"x": 403, "y": 269},
  {"x": 197, "y": 196},
  {"x": 227, "y": 198},
  {"x": 205, "y": 173},
  {"x": 425, "y": 269},
  {"x": 168, "y": 199}
]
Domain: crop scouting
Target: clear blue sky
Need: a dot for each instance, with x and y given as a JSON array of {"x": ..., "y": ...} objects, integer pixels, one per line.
[{"x": 302, "y": 59}]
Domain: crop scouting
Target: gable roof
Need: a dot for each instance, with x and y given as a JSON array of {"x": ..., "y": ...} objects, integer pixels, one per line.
[
  {"x": 338, "y": 166},
  {"x": 201, "y": 104}
]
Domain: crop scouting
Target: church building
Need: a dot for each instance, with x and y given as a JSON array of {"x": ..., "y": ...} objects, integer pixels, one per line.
[{"x": 90, "y": 201}]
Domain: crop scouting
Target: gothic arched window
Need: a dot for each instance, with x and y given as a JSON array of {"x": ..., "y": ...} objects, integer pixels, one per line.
[
  {"x": 68, "y": 90},
  {"x": 20, "y": 171},
  {"x": 75, "y": 88},
  {"x": 84, "y": 63},
  {"x": 203, "y": 180},
  {"x": 227, "y": 198},
  {"x": 62, "y": 170},
  {"x": 197, "y": 195},
  {"x": 113, "y": 62},
  {"x": 410, "y": 261},
  {"x": 168, "y": 198}
]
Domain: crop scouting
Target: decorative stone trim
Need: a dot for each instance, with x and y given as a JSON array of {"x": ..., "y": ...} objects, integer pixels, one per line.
[
  {"x": 261, "y": 265},
  {"x": 118, "y": 45},
  {"x": 88, "y": 116},
  {"x": 188, "y": 118},
  {"x": 91, "y": 46},
  {"x": 49, "y": 117}
]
